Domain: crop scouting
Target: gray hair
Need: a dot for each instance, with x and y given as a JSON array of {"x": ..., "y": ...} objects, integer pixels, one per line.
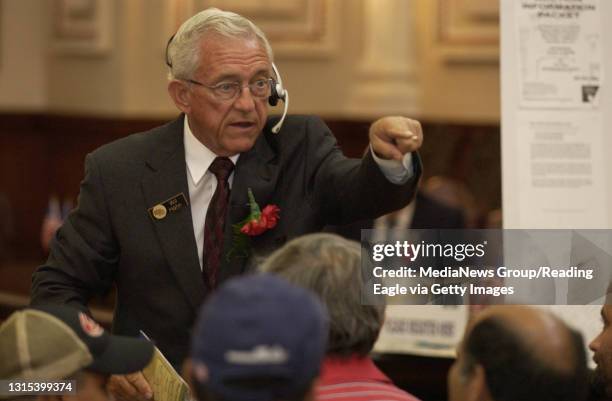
[
  {"x": 330, "y": 266},
  {"x": 184, "y": 50}
]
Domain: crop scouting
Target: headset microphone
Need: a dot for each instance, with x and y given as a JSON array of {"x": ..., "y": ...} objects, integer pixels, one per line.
[{"x": 278, "y": 93}]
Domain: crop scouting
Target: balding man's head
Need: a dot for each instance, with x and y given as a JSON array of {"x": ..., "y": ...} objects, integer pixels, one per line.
[{"x": 517, "y": 353}]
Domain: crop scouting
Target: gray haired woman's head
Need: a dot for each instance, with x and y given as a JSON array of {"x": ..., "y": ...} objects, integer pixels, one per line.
[{"x": 330, "y": 266}]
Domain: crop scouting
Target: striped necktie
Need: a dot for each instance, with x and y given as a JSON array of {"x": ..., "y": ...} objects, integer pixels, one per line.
[{"x": 214, "y": 224}]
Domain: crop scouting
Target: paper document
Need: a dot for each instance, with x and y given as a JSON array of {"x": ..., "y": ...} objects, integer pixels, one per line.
[
  {"x": 166, "y": 383},
  {"x": 560, "y": 53},
  {"x": 428, "y": 330},
  {"x": 561, "y": 169}
]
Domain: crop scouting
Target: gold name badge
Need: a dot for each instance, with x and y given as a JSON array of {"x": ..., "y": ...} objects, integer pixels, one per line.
[
  {"x": 172, "y": 205},
  {"x": 159, "y": 212}
]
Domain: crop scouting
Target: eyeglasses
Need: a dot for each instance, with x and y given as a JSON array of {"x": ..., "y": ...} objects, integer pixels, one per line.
[{"x": 230, "y": 90}]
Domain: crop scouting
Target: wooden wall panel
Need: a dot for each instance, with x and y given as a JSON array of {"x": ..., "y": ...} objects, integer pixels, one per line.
[
  {"x": 295, "y": 28},
  {"x": 468, "y": 30},
  {"x": 42, "y": 155}
]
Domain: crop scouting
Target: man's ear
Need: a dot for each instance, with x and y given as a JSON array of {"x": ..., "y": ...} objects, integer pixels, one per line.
[
  {"x": 180, "y": 94},
  {"x": 478, "y": 390}
]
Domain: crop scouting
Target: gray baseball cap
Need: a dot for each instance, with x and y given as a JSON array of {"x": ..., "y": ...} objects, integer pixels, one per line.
[{"x": 56, "y": 341}]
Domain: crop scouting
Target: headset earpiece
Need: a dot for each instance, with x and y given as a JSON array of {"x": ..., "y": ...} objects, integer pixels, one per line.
[
  {"x": 274, "y": 97},
  {"x": 277, "y": 92}
]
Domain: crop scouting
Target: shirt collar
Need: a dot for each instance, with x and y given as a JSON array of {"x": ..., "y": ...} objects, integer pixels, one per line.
[
  {"x": 197, "y": 156},
  {"x": 353, "y": 368}
]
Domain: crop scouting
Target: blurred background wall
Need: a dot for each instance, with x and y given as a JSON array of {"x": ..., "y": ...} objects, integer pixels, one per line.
[{"x": 75, "y": 74}]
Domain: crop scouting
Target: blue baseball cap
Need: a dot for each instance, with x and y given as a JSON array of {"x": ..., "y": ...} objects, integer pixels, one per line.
[{"x": 259, "y": 338}]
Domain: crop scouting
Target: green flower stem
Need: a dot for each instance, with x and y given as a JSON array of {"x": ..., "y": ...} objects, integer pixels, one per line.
[
  {"x": 255, "y": 213},
  {"x": 241, "y": 243}
]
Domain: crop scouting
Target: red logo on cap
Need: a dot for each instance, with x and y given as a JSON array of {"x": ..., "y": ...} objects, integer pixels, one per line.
[{"x": 90, "y": 327}]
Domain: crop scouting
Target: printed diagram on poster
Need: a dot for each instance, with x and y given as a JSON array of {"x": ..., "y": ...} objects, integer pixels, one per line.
[{"x": 560, "y": 56}]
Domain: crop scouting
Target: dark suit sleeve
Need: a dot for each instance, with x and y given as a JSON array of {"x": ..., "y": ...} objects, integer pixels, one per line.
[
  {"x": 83, "y": 254},
  {"x": 347, "y": 190}
]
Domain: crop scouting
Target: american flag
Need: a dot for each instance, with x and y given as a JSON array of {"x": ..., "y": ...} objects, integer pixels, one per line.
[{"x": 52, "y": 221}]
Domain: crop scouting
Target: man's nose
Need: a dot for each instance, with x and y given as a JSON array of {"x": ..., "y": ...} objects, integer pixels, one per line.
[
  {"x": 245, "y": 100},
  {"x": 594, "y": 344}
]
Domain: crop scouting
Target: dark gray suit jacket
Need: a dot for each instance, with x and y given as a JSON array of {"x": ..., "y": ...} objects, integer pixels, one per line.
[{"x": 110, "y": 237}]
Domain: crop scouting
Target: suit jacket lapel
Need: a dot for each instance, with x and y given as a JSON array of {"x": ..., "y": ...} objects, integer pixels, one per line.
[
  {"x": 167, "y": 178},
  {"x": 256, "y": 169}
]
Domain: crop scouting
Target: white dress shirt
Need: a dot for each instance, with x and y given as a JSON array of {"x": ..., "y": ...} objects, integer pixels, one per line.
[{"x": 202, "y": 183}]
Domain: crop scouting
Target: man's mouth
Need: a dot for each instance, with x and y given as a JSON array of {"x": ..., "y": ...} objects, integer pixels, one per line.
[{"x": 243, "y": 124}]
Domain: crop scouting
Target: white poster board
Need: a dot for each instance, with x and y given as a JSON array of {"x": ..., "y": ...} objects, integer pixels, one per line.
[
  {"x": 556, "y": 65},
  {"x": 554, "y": 144}
]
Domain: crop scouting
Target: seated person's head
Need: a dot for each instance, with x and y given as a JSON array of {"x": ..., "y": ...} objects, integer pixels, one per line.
[
  {"x": 330, "y": 266},
  {"x": 258, "y": 338},
  {"x": 56, "y": 342},
  {"x": 517, "y": 353}
]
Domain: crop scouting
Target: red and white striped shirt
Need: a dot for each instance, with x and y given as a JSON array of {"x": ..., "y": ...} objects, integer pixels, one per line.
[{"x": 357, "y": 379}]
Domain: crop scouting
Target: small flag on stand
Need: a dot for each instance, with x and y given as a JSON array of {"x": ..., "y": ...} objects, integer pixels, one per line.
[
  {"x": 67, "y": 207},
  {"x": 52, "y": 221}
]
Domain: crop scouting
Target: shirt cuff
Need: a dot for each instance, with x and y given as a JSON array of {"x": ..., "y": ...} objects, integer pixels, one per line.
[{"x": 397, "y": 172}]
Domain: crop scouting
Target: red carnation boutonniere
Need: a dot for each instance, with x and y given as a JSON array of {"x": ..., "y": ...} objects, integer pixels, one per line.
[{"x": 257, "y": 222}]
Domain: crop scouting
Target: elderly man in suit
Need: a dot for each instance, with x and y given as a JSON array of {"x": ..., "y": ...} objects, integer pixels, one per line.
[{"x": 156, "y": 209}]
